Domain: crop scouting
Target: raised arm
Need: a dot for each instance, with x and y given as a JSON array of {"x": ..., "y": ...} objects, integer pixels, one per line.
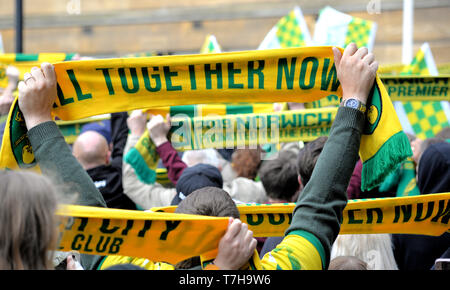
[
  {"x": 144, "y": 195},
  {"x": 119, "y": 134},
  {"x": 37, "y": 95},
  {"x": 316, "y": 218},
  {"x": 159, "y": 129}
]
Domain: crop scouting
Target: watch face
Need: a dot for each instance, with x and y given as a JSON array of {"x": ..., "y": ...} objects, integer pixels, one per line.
[{"x": 352, "y": 103}]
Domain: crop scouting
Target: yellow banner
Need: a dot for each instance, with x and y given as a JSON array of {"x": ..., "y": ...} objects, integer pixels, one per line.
[
  {"x": 237, "y": 131},
  {"x": 444, "y": 68},
  {"x": 405, "y": 89},
  {"x": 213, "y": 109},
  {"x": 24, "y": 62},
  {"x": 161, "y": 235},
  {"x": 71, "y": 129},
  {"x": 92, "y": 87},
  {"x": 416, "y": 88},
  {"x": 95, "y": 87},
  {"x": 423, "y": 214}
]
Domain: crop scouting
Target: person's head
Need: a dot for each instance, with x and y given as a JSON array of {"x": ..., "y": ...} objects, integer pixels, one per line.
[
  {"x": 421, "y": 146},
  {"x": 411, "y": 137},
  {"x": 374, "y": 249},
  {"x": 279, "y": 177},
  {"x": 91, "y": 149},
  {"x": 347, "y": 263},
  {"x": 204, "y": 156},
  {"x": 444, "y": 133},
  {"x": 307, "y": 158},
  {"x": 207, "y": 201},
  {"x": 415, "y": 147},
  {"x": 433, "y": 174},
  {"x": 196, "y": 177},
  {"x": 246, "y": 162},
  {"x": 126, "y": 267},
  {"x": 28, "y": 223},
  {"x": 102, "y": 127}
]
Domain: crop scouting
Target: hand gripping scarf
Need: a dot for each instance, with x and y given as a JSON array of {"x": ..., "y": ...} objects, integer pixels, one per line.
[
  {"x": 164, "y": 236},
  {"x": 93, "y": 87}
]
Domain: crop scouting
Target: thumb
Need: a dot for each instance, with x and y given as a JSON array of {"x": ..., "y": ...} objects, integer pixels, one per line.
[{"x": 337, "y": 56}]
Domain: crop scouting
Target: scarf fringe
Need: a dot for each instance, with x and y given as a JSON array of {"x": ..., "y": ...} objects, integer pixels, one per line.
[{"x": 394, "y": 151}]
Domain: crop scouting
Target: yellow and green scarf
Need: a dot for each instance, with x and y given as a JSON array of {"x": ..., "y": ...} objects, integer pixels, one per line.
[
  {"x": 24, "y": 62},
  {"x": 143, "y": 156},
  {"x": 164, "y": 236},
  {"x": 94, "y": 87}
]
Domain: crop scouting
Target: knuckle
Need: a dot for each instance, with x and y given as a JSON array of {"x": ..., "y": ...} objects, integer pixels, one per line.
[
  {"x": 50, "y": 83},
  {"x": 226, "y": 239},
  {"x": 235, "y": 244},
  {"x": 39, "y": 86}
]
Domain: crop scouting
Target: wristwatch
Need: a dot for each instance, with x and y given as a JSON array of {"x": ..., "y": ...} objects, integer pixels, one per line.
[{"x": 355, "y": 104}]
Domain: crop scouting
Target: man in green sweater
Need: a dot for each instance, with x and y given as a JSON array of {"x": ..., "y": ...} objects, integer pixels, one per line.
[
  {"x": 318, "y": 211},
  {"x": 36, "y": 97},
  {"x": 316, "y": 218}
]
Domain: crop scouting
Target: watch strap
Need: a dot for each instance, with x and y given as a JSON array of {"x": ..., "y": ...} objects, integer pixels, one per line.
[{"x": 355, "y": 104}]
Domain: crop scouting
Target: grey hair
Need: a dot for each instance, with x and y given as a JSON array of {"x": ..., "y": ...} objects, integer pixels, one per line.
[{"x": 374, "y": 249}]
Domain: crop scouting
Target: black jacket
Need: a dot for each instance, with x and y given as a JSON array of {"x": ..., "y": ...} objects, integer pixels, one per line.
[
  {"x": 419, "y": 252},
  {"x": 108, "y": 178}
]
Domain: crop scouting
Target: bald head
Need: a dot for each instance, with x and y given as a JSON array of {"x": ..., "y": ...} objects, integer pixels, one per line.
[{"x": 91, "y": 149}]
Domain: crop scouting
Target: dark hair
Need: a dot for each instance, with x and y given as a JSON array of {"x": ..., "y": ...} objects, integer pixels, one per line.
[
  {"x": 208, "y": 201},
  {"x": 307, "y": 158},
  {"x": 279, "y": 176},
  {"x": 347, "y": 263},
  {"x": 411, "y": 137},
  {"x": 432, "y": 173},
  {"x": 126, "y": 266},
  {"x": 444, "y": 133},
  {"x": 246, "y": 162},
  {"x": 427, "y": 143}
]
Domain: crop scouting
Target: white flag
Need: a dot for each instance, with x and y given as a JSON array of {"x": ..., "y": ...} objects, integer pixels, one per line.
[
  {"x": 339, "y": 29},
  {"x": 290, "y": 31}
]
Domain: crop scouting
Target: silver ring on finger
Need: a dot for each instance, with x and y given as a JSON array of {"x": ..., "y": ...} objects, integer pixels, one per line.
[{"x": 26, "y": 77}]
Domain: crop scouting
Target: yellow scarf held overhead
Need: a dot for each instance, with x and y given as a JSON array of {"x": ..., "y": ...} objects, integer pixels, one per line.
[
  {"x": 93, "y": 87},
  {"x": 144, "y": 159},
  {"x": 163, "y": 236},
  {"x": 231, "y": 131},
  {"x": 295, "y": 75},
  {"x": 424, "y": 214}
]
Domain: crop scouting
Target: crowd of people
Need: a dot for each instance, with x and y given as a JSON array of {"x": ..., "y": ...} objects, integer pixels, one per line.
[{"x": 319, "y": 176}]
